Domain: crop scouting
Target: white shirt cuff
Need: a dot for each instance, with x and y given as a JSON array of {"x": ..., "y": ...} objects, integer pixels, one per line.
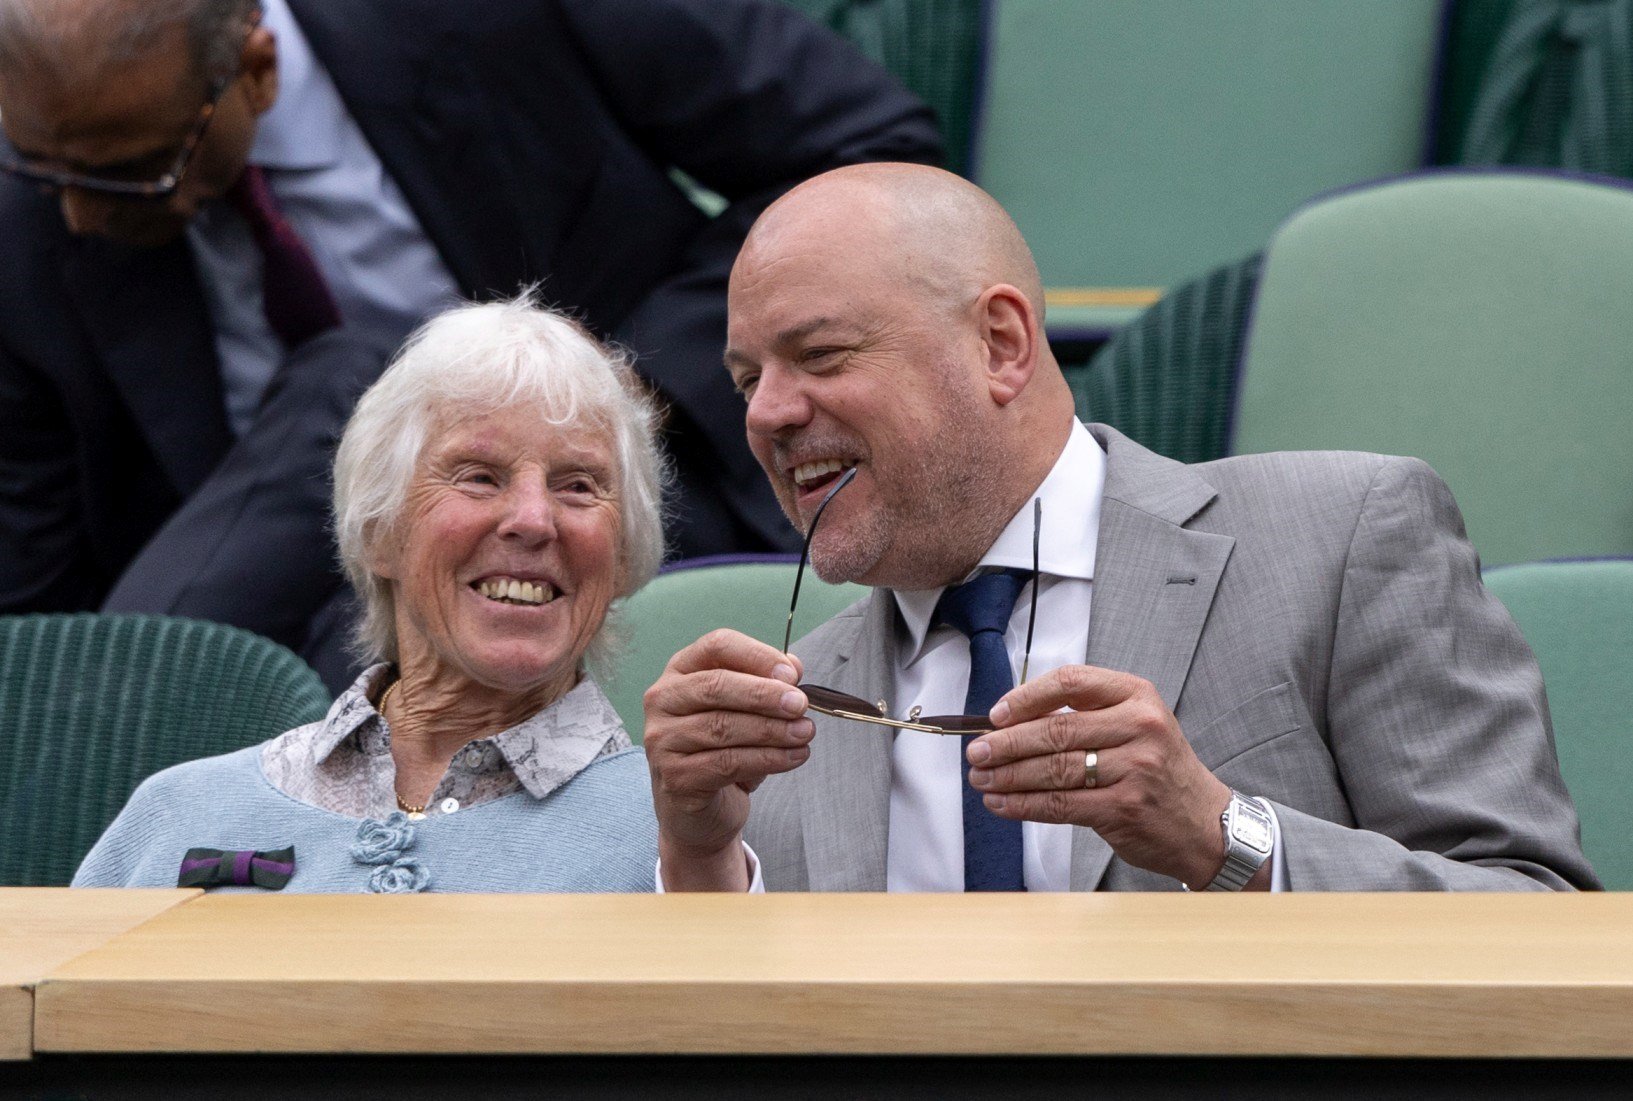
[{"x": 756, "y": 882}]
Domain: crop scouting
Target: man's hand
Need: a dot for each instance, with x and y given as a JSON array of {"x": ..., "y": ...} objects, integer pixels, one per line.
[
  {"x": 1155, "y": 803},
  {"x": 723, "y": 717}
]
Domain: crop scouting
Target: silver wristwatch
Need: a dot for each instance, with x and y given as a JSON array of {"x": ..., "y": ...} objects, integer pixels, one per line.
[{"x": 1249, "y": 836}]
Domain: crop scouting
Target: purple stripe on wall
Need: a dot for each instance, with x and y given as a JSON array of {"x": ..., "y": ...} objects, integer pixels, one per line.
[{"x": 1437, "y": 84}]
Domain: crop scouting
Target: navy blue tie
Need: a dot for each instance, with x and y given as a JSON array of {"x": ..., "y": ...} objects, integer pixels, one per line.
[{"x": 980, "y": 608}]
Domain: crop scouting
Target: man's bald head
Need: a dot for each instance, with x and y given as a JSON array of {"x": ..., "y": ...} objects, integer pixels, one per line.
[
  {"x": 888, "y": 317},
  {"x": 939, "y": 230},
  {"x": 72, "y": 40}
]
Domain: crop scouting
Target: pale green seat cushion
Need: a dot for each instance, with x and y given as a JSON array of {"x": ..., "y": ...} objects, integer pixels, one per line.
[
  {"x": 1578, "y": 618},
  {"x": 1480, "y": 321},
  {"x": 681, "y": 606},
  {"x": 1139, "y": 144}
]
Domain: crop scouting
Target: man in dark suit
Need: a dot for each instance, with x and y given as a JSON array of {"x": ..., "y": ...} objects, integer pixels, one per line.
[{"x": 165, "y": 427}]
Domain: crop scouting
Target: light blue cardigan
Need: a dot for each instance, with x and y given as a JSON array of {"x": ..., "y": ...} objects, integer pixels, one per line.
[{"x": 594, "y": 833}]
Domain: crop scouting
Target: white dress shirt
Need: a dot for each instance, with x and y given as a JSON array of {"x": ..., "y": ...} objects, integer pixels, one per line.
[
  {"x": 383, "y": 271},
  {"x": 926, "y": 847},
  {"x": 926, "y": 851}
]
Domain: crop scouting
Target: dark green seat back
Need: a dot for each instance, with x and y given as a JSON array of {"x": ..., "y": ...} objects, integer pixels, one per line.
[
  {"x": 1546, "y": 83},
  {"x": 1578, "y": 618},
  {"x": 1166, "y": 380},
  {"x": 90, "y": 705},
  {"x": 932, "y": 46},
  {"x": 680, "y": 606}
]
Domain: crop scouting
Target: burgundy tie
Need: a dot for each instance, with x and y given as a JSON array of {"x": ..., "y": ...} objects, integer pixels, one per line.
[{"x": 295, "y": 296}]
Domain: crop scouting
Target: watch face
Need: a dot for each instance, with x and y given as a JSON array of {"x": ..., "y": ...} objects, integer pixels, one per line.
[{"x": 1251, "y": 827}]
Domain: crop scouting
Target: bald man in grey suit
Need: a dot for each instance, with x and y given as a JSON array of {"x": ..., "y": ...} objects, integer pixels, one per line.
[{"x": 1267, "y": 672}]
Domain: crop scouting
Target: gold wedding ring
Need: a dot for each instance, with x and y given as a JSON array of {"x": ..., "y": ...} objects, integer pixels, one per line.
[{"x": 1091, "y": 769}]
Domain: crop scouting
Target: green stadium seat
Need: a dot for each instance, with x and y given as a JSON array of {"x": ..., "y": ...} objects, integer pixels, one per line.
[
  {"x": 932, "y": 46},
  {"x": 90, "y": 705},
  {"x": 1578, "y": 618},
  {"x": 1478, "y": 320},
  {"x": 1137, "y": 144},
  {"x": 1544, "y": 83},
  {"x": 690, "y": 599},
  {"x": 1166, "y": 380}
]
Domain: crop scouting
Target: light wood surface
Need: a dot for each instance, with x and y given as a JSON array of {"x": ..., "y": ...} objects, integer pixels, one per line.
[
  {"x": 42, "y": 928},
  {"x": 1205, "y": 974}
]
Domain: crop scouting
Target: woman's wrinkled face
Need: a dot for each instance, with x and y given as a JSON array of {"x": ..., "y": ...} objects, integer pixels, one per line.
[{"x": 507, "y": 554}]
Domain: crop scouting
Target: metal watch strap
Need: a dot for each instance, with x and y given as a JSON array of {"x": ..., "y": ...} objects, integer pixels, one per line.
[{"x": 1242, "y": 860}]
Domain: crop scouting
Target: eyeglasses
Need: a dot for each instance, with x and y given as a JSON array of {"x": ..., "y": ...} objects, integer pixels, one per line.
[
  {"x": 161, "y": 188},
  {"x": 843, "y": 705}
]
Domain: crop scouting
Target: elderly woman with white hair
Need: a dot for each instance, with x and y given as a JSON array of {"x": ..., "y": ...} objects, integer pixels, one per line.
[{"x": 495, "y": 491}]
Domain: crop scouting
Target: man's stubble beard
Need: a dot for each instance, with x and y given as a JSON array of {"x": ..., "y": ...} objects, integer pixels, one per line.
[{"x": 942, "y": 496}]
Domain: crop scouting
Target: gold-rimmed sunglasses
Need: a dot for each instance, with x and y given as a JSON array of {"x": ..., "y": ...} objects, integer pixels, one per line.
[{"x": 843, "y": 705}]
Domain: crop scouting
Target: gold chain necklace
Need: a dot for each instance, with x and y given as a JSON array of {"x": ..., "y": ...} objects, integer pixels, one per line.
[{"x": 402, "y": 804}]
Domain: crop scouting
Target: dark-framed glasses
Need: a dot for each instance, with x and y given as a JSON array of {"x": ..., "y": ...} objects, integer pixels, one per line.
[
  {"x": 843, "y": 705},
  {"x": 162, "y": 187}
]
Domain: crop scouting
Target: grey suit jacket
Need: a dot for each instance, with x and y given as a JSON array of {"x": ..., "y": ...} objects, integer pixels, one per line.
[{"x": 1317, "y": 623}]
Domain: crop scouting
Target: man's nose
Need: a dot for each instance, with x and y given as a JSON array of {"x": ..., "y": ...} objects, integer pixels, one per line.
[
  {"x": 529, "y": 512},
  {"x": 779, "y": 403}
]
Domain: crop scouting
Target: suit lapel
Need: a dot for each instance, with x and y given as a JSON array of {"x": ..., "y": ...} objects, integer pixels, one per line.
[
  {"x": 145, "y": 315},
  {"x": 846, "y": 830},
  {"x": 1154, "y": 583}
]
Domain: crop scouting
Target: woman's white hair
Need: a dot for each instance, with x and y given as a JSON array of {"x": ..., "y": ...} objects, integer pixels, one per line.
[{"x": 474, "y": 360}]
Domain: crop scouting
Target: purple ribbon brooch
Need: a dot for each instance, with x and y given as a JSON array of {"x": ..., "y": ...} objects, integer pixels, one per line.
[{"x": 237, "y": 868}]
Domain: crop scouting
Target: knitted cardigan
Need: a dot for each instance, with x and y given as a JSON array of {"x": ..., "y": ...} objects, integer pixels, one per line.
[{"x": 594, "y": 833}]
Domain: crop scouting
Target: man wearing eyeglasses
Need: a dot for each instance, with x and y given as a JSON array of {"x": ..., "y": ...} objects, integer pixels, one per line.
[
  {"x": 181, "y": 336},
  {"x": 1266, "y": 672}
]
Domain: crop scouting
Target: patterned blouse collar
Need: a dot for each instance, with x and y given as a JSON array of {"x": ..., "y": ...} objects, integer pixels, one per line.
[{"x": 343, "y": 763}]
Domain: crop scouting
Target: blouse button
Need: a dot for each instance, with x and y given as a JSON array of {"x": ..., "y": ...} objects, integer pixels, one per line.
[{"x": 448, "y": 806}]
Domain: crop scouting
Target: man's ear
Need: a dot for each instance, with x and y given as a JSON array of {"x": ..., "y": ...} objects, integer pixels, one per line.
[
  {"x": 1009, "y": 337},
  {"x": 258, "y": 65}
]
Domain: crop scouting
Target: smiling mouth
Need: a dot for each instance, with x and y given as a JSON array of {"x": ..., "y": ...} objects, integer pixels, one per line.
[
  {"x": 510, "y": 590},
  {"x": 818, "y": 475}
]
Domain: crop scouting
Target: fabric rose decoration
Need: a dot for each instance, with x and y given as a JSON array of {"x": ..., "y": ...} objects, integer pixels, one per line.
[
  {"x": 402, "y": 876},
  {"x": 381, "y": 842}
]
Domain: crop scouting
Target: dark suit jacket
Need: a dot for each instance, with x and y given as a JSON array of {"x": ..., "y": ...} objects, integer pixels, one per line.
[{"x": 533, "y": 140}]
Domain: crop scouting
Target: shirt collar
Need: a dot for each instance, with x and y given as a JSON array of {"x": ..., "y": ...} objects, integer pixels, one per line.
[
  {"x": 1066, "y": 536},
  {"x": 302, "y": 130},
  {"x": 544, "y": 751}
]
